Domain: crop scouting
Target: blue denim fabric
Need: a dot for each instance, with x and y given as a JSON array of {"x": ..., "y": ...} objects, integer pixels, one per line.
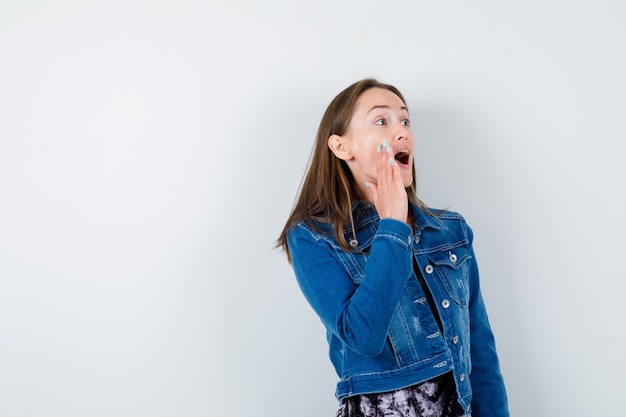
[{"x": 381, "y": 331}]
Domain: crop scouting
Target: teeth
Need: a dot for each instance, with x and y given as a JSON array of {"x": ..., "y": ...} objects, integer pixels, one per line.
[{"x": 402, "y": 156}]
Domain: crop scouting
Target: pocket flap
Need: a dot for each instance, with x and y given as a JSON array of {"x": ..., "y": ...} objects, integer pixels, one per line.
[{"x": 452, "y": 258}]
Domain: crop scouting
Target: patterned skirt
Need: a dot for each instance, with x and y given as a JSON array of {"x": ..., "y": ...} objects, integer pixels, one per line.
[{"x": 434, "y": 398}]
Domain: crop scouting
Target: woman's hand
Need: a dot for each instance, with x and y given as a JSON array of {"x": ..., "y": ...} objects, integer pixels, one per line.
[{"x": 389, "y": 195}]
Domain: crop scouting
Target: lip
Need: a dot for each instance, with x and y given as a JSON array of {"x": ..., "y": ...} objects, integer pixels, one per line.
[{"x": 409, "y": 157}]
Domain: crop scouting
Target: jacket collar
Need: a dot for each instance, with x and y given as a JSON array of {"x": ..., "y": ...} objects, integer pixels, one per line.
[{"x": 365, "y": 211}]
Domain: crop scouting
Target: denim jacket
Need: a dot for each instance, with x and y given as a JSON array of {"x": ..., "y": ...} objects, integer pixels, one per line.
[{"x": 381, "y": 330}]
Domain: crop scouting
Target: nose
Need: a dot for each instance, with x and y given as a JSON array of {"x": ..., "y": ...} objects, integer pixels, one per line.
[{"x": 401, "y": 132}]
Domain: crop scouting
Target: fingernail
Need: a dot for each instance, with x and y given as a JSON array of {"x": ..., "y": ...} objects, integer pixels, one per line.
[
  {"x": 386, "y": 145},
  {"x": 392, "y": 161},
  {"x": 366, "y": 184},
  {"x": 378, "y": 148}
]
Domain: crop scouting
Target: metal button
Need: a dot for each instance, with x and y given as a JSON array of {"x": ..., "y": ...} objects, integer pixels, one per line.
[
  {"x": 409, "y": 240},
  {"x": 445, "y": 304},
  {"x": 455, "y": 339},
  {"x": 429, "y": 269},
  {"x": 462, "y": 377},
  {"x": 417, "y": 240},
  {"x": 452, "y": 258}
]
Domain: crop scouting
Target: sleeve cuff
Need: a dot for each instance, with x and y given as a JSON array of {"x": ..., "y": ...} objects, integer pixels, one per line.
[{"x": 395, "y": 230}]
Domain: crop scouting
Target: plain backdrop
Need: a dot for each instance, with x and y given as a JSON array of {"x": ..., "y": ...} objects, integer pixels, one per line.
[{"x": 150, "y": 152}]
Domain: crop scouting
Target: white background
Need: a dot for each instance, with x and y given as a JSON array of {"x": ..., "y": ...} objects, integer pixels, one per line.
[{"x": 150, "y": 152}]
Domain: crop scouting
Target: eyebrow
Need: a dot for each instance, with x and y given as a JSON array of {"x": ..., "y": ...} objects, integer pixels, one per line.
[{"x": 384, "y": 106}]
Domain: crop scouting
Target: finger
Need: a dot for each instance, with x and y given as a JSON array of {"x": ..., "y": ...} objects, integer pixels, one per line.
[
  {"x": 384, "y": 191},
  {"x": 396, "y": 175},
  {"x": 384, "y": 166}
]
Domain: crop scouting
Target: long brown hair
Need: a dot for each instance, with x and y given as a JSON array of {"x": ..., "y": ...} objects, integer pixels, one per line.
[{"x": 328, "y": 188}]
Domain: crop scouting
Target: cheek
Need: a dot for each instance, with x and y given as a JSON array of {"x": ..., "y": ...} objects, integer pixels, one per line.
[
  {"x": 365, "y": 155},
  {"x": 369, "y": 160},
  {"x": 363, "y": 166}
]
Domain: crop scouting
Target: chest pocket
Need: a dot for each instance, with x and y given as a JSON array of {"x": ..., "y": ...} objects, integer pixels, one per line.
[{"x": 452, "y": 267}]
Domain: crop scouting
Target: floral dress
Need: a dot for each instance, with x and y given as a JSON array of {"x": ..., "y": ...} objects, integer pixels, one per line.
[{"x": 434, "y": 398}]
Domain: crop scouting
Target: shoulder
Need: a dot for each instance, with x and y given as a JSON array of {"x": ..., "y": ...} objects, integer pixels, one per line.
[
  {"x": 448, "y": 221},
  {"x": 451, "y": 218},
  {"x": 309, "y": 230}
]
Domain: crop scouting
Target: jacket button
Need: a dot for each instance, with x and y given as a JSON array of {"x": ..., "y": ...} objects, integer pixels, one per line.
[
  {"x": 455, "y": 339},
  {"x": 445, "y": 304},
  {"x": 462, "y": 377},
  {"x": 429, "y": 269},
  {"x": 417, "y": 240},
  {"x": 452, "y": 258}
]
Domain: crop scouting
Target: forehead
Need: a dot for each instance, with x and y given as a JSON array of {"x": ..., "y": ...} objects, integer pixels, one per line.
[{"x": 378, "y": 97}]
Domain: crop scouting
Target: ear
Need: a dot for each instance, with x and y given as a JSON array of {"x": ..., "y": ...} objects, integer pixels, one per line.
[{"x": 338, "y": 146}]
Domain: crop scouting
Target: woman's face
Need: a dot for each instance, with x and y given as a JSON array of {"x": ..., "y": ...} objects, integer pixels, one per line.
[{"x": 379, "y": 116}]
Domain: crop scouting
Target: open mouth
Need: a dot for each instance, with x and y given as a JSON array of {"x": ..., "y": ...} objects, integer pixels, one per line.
[{"x": 402, "y": 157}]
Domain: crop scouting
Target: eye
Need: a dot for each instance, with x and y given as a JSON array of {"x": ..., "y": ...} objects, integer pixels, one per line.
[
  {"x": 406, "y": 122},
  {"x": 380, "y": 122}
]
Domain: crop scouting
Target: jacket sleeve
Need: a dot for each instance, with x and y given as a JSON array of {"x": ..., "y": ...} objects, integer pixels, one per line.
[
  {"x": 359, "y": 315},
  {"x": 489, "y": 397}
]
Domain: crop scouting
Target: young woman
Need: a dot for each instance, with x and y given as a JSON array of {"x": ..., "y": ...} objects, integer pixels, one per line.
[{"x": 394, "y": 283}]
